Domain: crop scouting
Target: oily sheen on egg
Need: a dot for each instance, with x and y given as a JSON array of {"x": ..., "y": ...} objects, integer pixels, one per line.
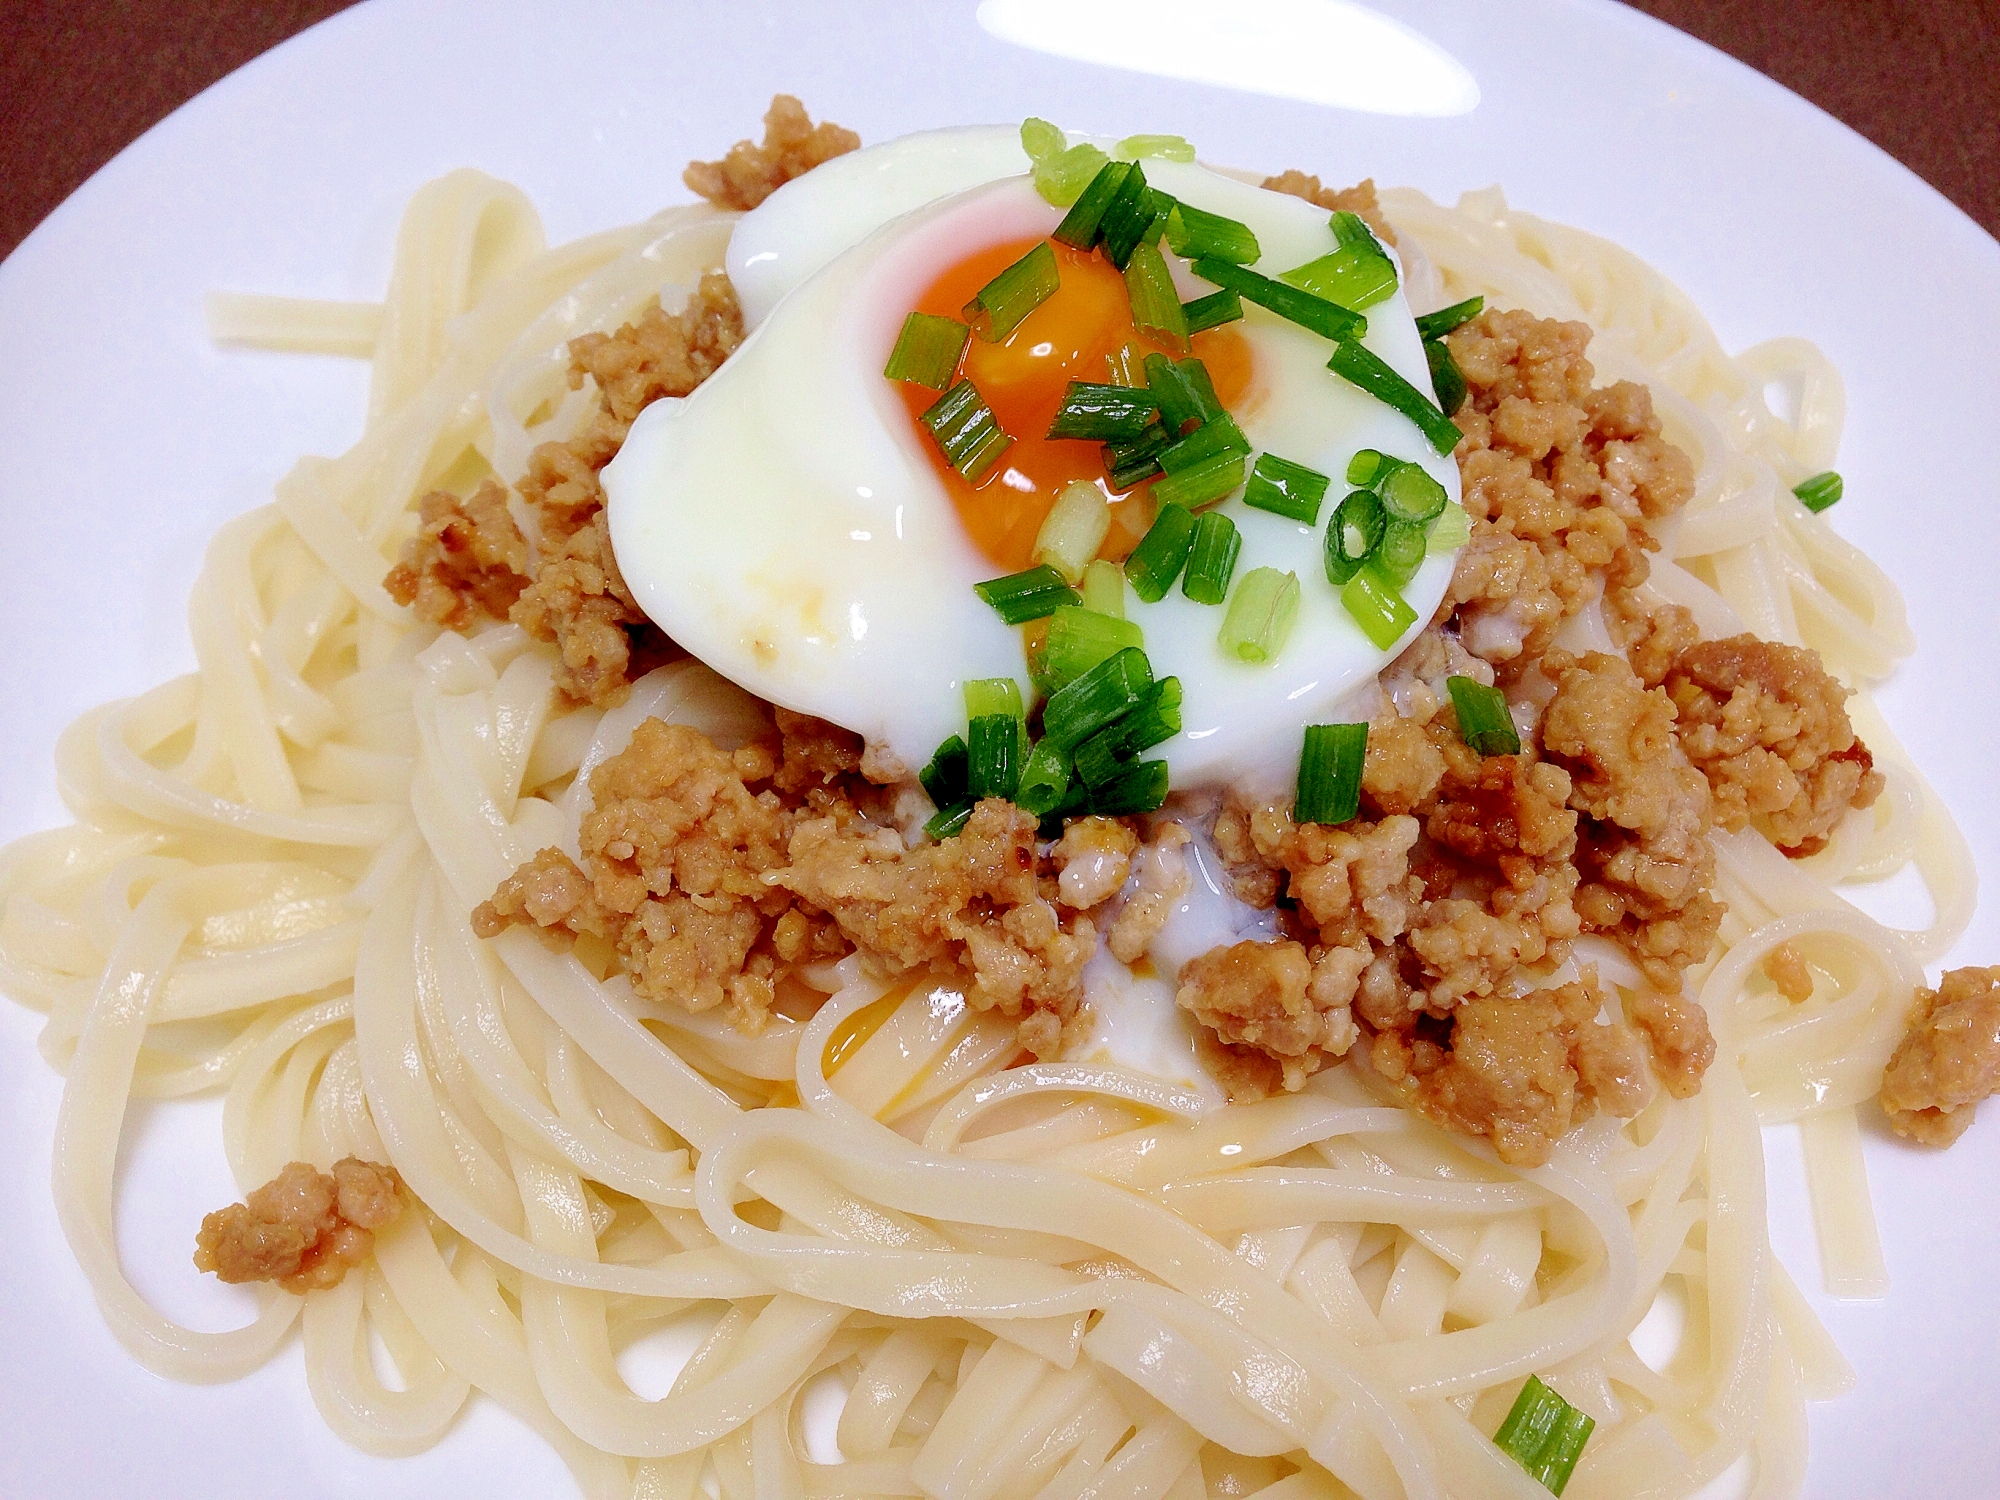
[{"x": 787, "y": 526}]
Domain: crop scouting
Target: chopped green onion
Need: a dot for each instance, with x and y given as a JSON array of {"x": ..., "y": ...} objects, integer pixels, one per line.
[
  {"x": 1286, "y": 489},
  {"x": 1008, "y": 298},
  {"x": 927, "y": 350},
  {"x": 966, "y": 430},
  {"x": 944, "y": 777},
  {"x": 1138, "y": 789},
  {"x": 1196, "y": 234},
  {"x": 1156, "y": 306},
  {"x": 1157, "y": 718},
  {"x": 1166, "y": 147},
  {"x": 1044, "y": 780},
  {"x": 1194, "y": 374},
  {"x": 947, "y": 821},
  {"x": 1075, "y": 803},
  {"x": 1401, "y": 552},
  {"x": 995, "y": 747},
  {"x": 1061, "y": 179},
  {"x": 1350, "y": 230},
  {"x": 993, "y": 695},
  {"x": 1104, "y": 589},
  {"x": 1330, "y": 764},
  {"x": 1080, "y": 225},
  {"x": 1218, "y": 437},
  {"x": 1216, "y": 544},
  {"x": 1028, "y": 595},
  {"x": 1435, "y": 325},
  {"x": 1353, "y": 535},
  {"x": 1261, "y": 614},
  {"x": 1381, "y": 612},
  {"x": 1820, "y": 491},
  {"x": 1203, "y": 484},
  {"x": 1312, "y": 313},
  {"x": 1351, "y": 276},
  {"x": 1409, "y": 493},
  {"x": 1127, "y": 366},
  {"x": 1113, "y": 687},
  {"x": 1074, "y": 529},
  {"x": 1483, "y": 720},
  {"x": 1452, "y": 529},
  {"x": 1212, "y": 311},
  {"x": 1156, "y": 562},
  {"x": 1367, "y": 467},
  {"x": 1545, "y": 1435},
  {"x": 1125, "y": 464},
  {"x": 1078, "y": 640},
  {"x": 1130, "y": 217},
  {"x": 1183, "y": 398},
  {"x": 1446, "y": 377},
  {"x": 1360, "y": 366},
  {"x": 1105, "y": 413},
  {"x": 1041, "y": 139}
]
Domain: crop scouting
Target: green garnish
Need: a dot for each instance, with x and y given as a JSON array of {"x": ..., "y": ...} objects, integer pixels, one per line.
[
  {"x": 1409, "y": 493},
  {"x": 1213, "y": 558},
  {"x": 1381, "y": 612},
  {"x": 993, "y": 695},
  {"x": 1079, "y": 639},
  {"x": 1483, "y": 720},
  {"x": 1196, "y": 234},
  {"x": 947, "y": 821},
  {"x": 1362, "y": 367},
  {"x": 1137, "y": 789},
  {"x": 1008, "y": 298},
  {"x": 1104, "y": 589},
  {"x": 1108, "y": 690},
  {"x": 1044, "y": 780},
  {"x": 1156, "y": 306},
  {"x": 944, "y": 778},
  {"x": 1218, "y": 437},
  {"x": 1030, "y": 594},
  {"x": 1544, "y": 1434},
  {"x": 1353, "y": 535},
  {"x": 1105, "y": 413},
  {"x": 1134, "y": 216},
  {"x": 1212, "y": 311},
  {"x": 1156, "y": 562},
  {"x": 1435, "y": 325},
  {"x": 1125, "y": 464},
  {"x": 1261, "y": 614},
  {"x": 966, "y": 430},
  {"x": 1446, "y": 377},
  {"x": 1062, "y": 171},
  {"x": 1820, "y": 491},
  {"x": 1080, "y": 226},
  {"x": 1368, "y": 466},
  {"x": 1203, "y": 483},
  {"x": 995, "y": 748},
  {"x": 1156, "y": 718},
  {"x": 1401, "y": 552},
  {"x": 1042, "y": 139},
  {"x": 1331, "y": 761},
  {"x": 1452, "y": 528},
  {"x": 1353, "y": 276},
  {"x": 927, "y": 350},
  {"x": 1184, "y": 391},
  {"x": 1314, "y": 314},
  {"x": 1286, "y": 489},
  {"x": 1167, "y": 147}
]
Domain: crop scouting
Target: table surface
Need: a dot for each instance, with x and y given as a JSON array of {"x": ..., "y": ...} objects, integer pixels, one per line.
[{"x": 79, "y": 79}]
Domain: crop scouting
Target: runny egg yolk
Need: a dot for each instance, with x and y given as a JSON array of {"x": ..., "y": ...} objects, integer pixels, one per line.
[{"x": 1069, "y": 337}]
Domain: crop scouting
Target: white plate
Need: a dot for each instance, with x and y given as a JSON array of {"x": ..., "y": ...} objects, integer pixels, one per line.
[{"x": 127, "y": 440}]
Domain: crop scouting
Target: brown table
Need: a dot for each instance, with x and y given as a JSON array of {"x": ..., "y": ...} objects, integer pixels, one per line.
[{"x": 81, "y": 78}]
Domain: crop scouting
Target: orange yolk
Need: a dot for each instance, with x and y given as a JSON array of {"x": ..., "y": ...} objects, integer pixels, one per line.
[{"x": 1069, "y": 337}]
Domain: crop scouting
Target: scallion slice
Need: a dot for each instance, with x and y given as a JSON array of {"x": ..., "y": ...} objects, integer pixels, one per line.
[
  {"x": 1212, "y": 311},
  {"x": 1218, "y": 437},
  {"x": 1446, "y": 377},
  {"x": 1483, "y": 720},
  {"x": 1156, "y": 562},
  {"x": 944, "y": 778},
  {"x": 1261, "y": 614},
  {"x": 1079, "y": 639},
  {"x": 1030, "y": 594},
  {"x": 1061, "y": 178},
  {"x": 1183, "y": 397},
  {"x": 993, "y": 695},
  {"x": 927, "y": 350},
  {"x": 1545, "y": 1435},
  {"x": 1008, "y": 298},
  {"x": 1360, "y": 366},
  {"x": 947, "y": 821},
  {"x": 1080, "y": 226},
  {"x": 1435, "y": 325},
  {"x": 1108, "y": 690},
  {"x": 1286, "y": 489},
  {"x": 1350, "y": 230},
  {"x": 966, "y": 430},
  {"x": 1127, "y": 366},
  {"x": 1409, "y": 493},
  {"x": 1381, "y": 612},
  {"x": 1401, "y": 552},
  {"x": 1367, "y": 467},
  {"x": 1352, "y": 276},
  {"x": 995, "y": 748},
  {"x": 1125, "y": 464},
  {"x": 1041, "y": 138},
  {"x": 1353, "y": 535},
  {"x": 1203, "y": 484},
  {"x": 1156, "y": 306},
  {"x": 1195, "y": 234},
  {"x": 1452, "y": 529},
  {"x": 1330, "y": 765},
  {"x": 1104, "y": 589},
  {"x": 1074, "y": 529},
  {"x": 1157, "y": 718},
  {"x": 1820, "y": 491},
  {"x": 1216, "y": 545},
  {"x": 1137, "y": 789},
  {"x": 1044, "y": 780},
  {"x": 1166, "y": 147},
  {"x": 1132, "y": 217},
  {"x": 1312, "y": 313},
  {"x": 1104, "y": 413}
]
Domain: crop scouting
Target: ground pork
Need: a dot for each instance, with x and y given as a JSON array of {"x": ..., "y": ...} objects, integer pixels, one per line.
[
  {"x": 1272, "y": 1015},
  {"x": 1786, "y": 968},
  {"x": 468, "y": 561},
  {"x": 792, "y": 146},
  {"x": 1948, "y": 1060},
  {"x": 1161, "y": 881},
  {"x": 1359, "y": 199},
  {"x": 1094, "y": 856},
  {"x": 1767, "y": 725},
  {"x": 303, "y": 1229},
  {"x": 1677, "y": 1037}
]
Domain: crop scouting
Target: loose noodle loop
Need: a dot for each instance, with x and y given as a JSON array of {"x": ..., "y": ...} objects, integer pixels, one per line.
[{"x": 1055, "y": 1279}]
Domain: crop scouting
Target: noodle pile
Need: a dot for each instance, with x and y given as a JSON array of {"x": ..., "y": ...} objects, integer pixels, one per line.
[{"x": 1055, "y": 1280}]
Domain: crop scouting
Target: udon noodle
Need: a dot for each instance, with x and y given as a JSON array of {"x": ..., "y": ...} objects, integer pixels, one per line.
[{"x": 1057, "y": 1280}]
